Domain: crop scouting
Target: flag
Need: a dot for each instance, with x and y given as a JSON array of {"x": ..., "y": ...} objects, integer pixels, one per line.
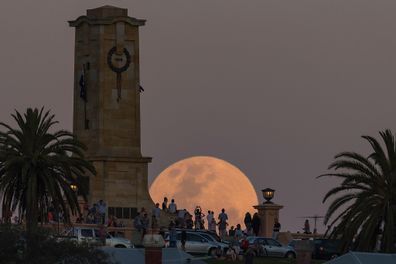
[{"x": 83, "y": 86}]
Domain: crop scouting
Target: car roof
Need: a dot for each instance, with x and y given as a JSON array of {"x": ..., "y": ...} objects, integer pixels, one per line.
[{"x": 254, "y": 237}]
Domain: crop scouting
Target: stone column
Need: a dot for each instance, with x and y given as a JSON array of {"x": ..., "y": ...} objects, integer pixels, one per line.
[
  {"x": 153, "y": 244},
  {"x": 267, "y": 212}
]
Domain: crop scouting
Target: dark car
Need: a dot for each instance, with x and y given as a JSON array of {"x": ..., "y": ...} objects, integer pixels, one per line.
[{"x": 326, "y": 248}]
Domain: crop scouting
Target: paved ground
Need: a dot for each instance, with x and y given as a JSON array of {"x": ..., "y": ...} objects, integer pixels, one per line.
[{"x": 136, "y": 256}]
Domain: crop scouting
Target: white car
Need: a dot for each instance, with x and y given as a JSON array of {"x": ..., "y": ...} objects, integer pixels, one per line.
[
  {"x": 198, "y": 243},
  {"x": 92, "y": 236},
  {"x": 270, "y": 247}
]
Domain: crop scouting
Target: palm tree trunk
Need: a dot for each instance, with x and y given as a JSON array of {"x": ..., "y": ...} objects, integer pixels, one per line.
[
  {"x": 31, "y": 211},
  {"x": 393, "y": 243}
]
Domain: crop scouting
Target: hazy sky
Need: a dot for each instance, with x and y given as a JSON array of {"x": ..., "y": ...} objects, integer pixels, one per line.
[{"x": 276, "y": 87}]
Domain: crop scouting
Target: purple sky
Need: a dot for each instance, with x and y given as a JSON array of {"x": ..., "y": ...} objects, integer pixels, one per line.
[{"x": 274, "y": 87}]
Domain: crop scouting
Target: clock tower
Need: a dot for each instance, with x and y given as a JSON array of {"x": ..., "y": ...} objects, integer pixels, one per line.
[{"x": 107, "y": 108}]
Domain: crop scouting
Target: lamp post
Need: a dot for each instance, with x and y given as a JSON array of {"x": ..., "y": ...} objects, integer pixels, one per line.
[
  {"x": 268, "y": 194},
  {"x": 268, "y": 212}
]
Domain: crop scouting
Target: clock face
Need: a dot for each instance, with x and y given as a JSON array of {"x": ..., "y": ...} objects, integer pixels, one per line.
[{"x": 118, "y": 62}]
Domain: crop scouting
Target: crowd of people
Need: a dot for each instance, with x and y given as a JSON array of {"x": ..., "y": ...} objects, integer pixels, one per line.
[
  {"x": 181, "y": 218},
  {"x": 96, "y": 214}
]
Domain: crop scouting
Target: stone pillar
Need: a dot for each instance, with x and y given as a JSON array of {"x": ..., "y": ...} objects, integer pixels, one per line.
[
  {"x": 304, "y": 249},
  {"x": 267, "y": 213},
  {"x": 153, "y": 244}
]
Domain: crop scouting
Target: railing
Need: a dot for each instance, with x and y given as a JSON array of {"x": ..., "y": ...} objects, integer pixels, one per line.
[{"x": 306, "y": 236}]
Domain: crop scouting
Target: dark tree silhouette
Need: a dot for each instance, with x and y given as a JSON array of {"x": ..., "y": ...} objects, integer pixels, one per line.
[
  {"x": 364, "y": 206},
  {"x": 37, "y": 167}
]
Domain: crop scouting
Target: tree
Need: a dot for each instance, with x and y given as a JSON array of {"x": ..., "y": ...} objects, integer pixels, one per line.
[
  {"x": 37, "y": 167},
  {"x": 364, "y": 207}
]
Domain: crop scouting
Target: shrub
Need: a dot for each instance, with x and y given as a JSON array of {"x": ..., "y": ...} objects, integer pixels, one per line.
[{"x": 44, "y": 249}]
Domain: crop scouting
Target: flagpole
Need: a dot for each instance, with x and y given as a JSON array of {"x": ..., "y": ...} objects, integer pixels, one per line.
[
  {"x": 85, "y": 100},
  {"x": 85, "y": 115}
]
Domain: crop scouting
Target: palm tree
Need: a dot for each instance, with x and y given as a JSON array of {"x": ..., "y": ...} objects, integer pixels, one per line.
[
  {"x": 365, "y": 202},
  {"x": 37, "y": 167}
]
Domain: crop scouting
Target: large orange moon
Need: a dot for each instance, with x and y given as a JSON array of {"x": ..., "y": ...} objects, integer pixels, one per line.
[{"x": 209, "y": 182}]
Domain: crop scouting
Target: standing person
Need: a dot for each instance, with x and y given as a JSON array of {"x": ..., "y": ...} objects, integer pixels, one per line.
[
  {"x": 85, "y": 210},
  {"x": 90, "y": 219},
  {"x": 80, "y": 219},
  {"x": 188, "y": 220},
  {"x": 248, "y": 223},
  {"x": 94, "y": 213},
  {"x": 50, "y": 216},
  {"x": 145, "y": 222},
  {"x": 276, "y": 229},
  {"x": 307, "y": 229},
  {"x": 223, "y": 217},
  {"x": 102, "y": 208},
  {"x": 231, "y": 232},
  {"x": 165, "y": 204},
  {"x": 137, "y": 222},
  {"x": 172, "y": 235},
  {"x": 141, "y": 214},
  {"x": 172, "y": 207},
  {"x": 198, "y": 217},
  {"x": 209, "y": 218},
  {"x": 183, "y": 239},
  {"x": 238, "y": 234},
  {"x": 102, "y": 234},
  {"x": 212, "y": 226},
  {"x": 180, "y": 217},
  {"x": 222, "y": 229},
  {"x": 156, "y": 214},
  {"x": 249, "y": 256},
  {"x": 256, "y": 222}
]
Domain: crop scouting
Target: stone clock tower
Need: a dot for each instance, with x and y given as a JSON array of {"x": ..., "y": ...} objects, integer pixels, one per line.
[{"x": 107, "y": 108}]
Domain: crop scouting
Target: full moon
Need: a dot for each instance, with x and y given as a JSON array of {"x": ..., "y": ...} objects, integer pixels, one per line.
[{"x": 209, "y": 182}]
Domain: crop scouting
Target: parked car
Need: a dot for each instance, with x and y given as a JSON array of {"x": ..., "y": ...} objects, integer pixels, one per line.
[
  {"x": 204, "y": 232},
  {"x": 198, "y": 242},
  {"x": 269, "y": 247},
  {"x": 92, "y": 236},
  {"x": 326, "y": 248}
]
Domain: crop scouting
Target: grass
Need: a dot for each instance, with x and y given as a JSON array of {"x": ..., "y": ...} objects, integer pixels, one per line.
[{"x": 261, "y": 260}]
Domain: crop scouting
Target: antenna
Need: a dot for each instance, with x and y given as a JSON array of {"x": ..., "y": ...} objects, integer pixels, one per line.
[{"x": 315, "y": 217}]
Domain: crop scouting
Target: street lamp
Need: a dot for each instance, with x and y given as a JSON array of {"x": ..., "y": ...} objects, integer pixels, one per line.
[
  {"x": 268, "y": 194},
  {"x": 73, "y": 187}
]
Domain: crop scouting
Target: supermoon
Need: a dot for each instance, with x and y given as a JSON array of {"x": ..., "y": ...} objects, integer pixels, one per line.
[{"x": 209, "y": 182}]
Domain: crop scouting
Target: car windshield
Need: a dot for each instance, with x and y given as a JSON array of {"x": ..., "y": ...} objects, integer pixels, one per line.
[
  {"x": 86, "y": 233},
  {"x": 194, "y": 237},
  {"x": 318, "y": 241},
  {"x": 274, "y": 243},
  {"x": 213, "y": 235},
  {"x": 208, "y": 237},
  {"x": 68, "y": 233}
]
